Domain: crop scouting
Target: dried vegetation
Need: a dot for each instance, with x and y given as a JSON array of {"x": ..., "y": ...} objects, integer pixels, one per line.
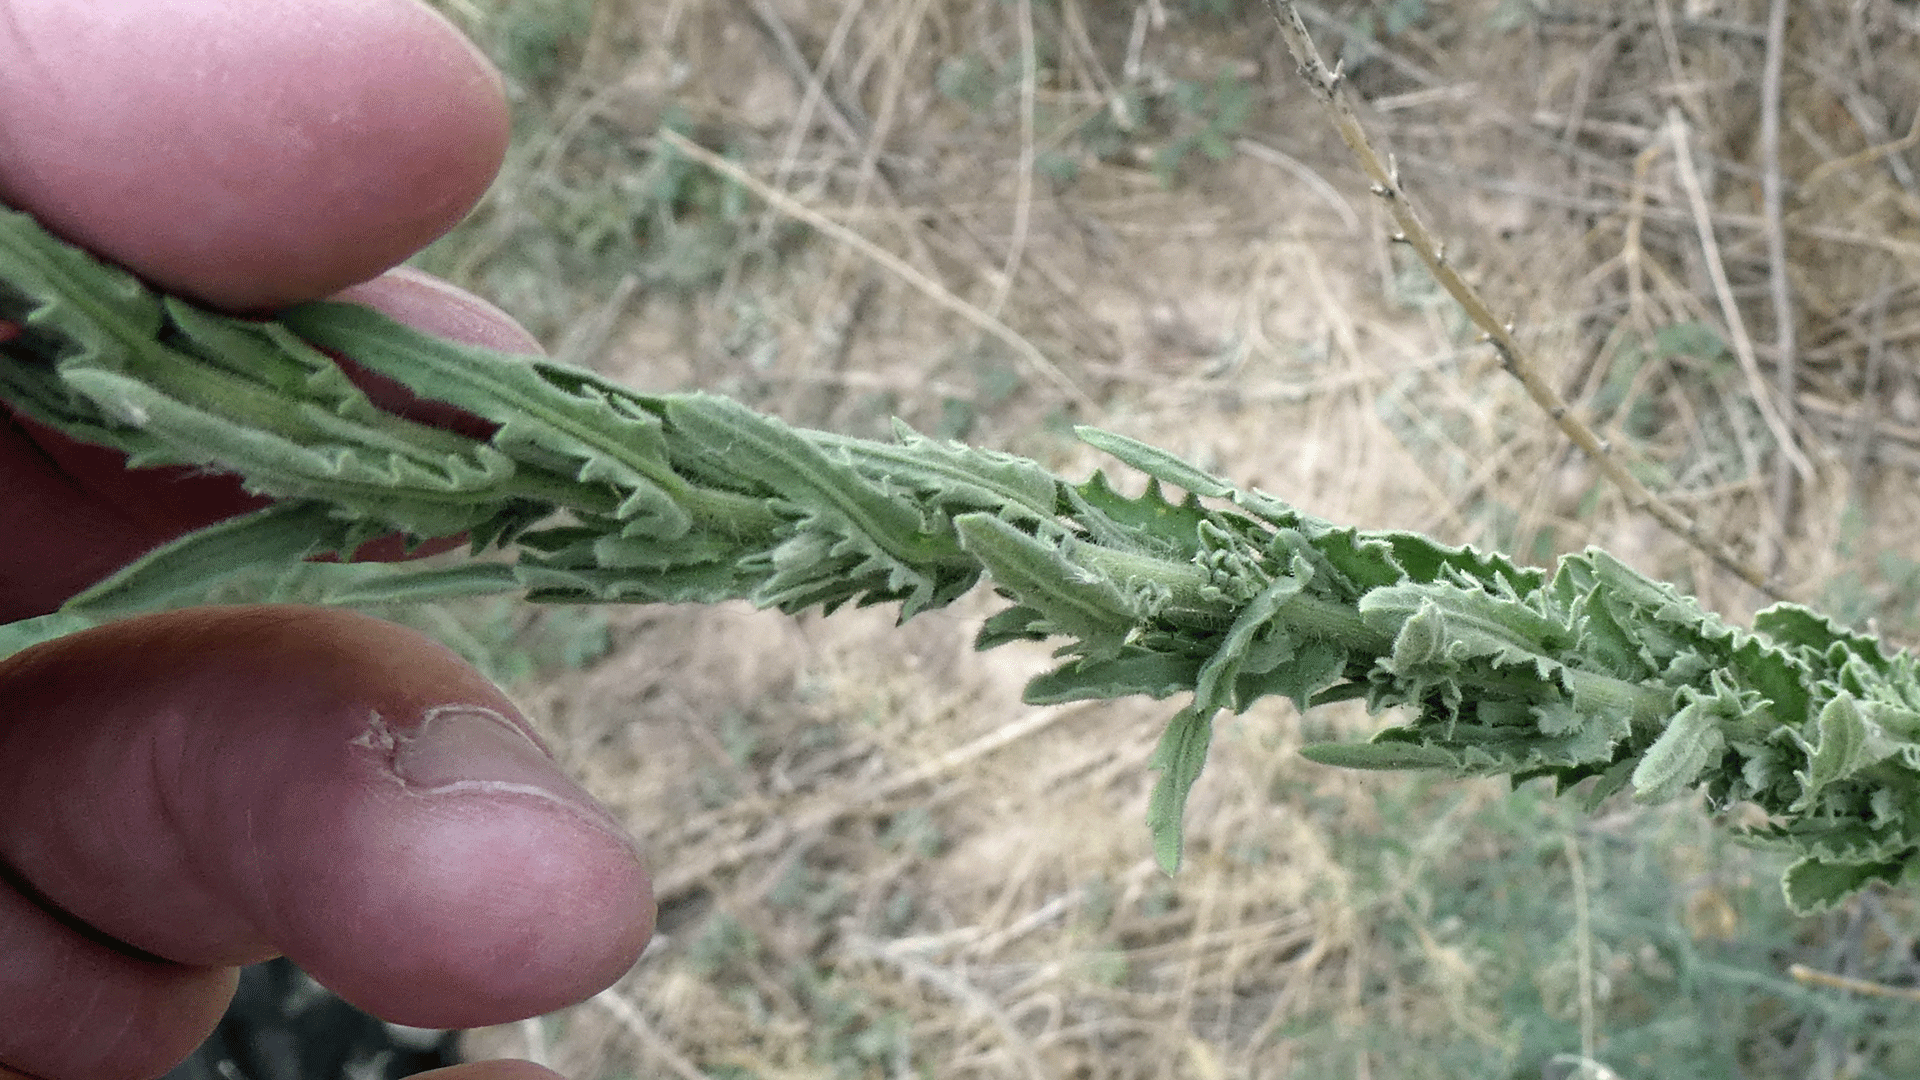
[{"x": 873, "y": 861}]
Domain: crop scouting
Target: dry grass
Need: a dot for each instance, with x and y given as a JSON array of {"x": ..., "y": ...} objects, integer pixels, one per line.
[{"x": 873, "y": 860}]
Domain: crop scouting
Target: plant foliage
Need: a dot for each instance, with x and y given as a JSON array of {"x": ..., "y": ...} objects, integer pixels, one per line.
[{"x": 590, "y": 491}]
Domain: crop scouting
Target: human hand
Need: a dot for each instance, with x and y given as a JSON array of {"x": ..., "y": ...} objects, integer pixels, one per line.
[{"x": 191, "y": 791}]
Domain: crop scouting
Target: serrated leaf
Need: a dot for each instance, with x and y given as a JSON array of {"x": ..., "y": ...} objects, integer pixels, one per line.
[
  {"x": 1135, "y": 671},
  {"x": 1039, "y": 573},
  {"x": 179, "y": 573},
  {"x": 555, "y": 417},
  {"x": 1155, "y": 462},
  {"x": 1380, "y": 756},
  {"x": 1149, "y": 523},
  {"x": 1840, "y": 747},
  {"x": 1179, "y": 757},
  {"x": 1676, "y": 759},
  {"x": 1799, "y": 627},
  {"x": 954, "y": 476},
  {"x": 355, "y": 584},
  {"x": 885, "y": 532},
  {"x": 1813, "y": 886}
]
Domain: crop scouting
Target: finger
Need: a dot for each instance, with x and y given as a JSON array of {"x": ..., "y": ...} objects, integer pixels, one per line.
[
  {"x": 247, "y": 153},
  {"x": 215, "y": 786},
  {"x": 122, "y": 1015},
  {"x": 487, "y": 1070},
  {"x": 76, "y": 513}
]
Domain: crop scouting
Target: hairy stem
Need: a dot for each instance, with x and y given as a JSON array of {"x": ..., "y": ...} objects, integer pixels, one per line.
[{"x": 587, "y": 491}]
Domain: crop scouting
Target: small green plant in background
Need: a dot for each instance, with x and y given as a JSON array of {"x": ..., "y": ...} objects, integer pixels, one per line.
[
  {"x": 532, "y": 42},
  {"x": 1184, "y": 120},
  {"x": 587, "y": 204},
  {"x": 1882, "y": 594},
  {"x": 1210, "y": 116},
  {"x": 611, "y": 210},
  {"x": 1172, "y": 123},
  {"x": 1379, "y": 20},
  {"x": 1471, "y": 901}
]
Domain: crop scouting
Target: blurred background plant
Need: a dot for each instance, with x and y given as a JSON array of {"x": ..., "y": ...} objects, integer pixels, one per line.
[{"x": 873, "y": 861}]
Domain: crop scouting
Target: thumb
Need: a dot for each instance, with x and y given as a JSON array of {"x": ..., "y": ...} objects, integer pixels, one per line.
[{"x": 211, "y": 787}]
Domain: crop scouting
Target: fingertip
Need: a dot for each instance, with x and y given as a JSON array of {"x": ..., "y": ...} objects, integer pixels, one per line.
[
  {"x": 443, "y": 309},
  {"x": 562, "y": 909},
  {"x": 239, "y": 788},
  {"x": 275, "y": 157}
]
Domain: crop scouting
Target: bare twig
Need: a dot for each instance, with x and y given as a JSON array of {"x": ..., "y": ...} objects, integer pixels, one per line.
[
  {"x": 1583, "y": 944},
  {"x": 1810, "y": 977},
  {"x": 643, "y": 1032},
  {"x": 1023, "y": 178},
  {"x": 1723, "y": 290},
  {"x": 1867, "y": 406},
  {"x": 1828, "y": 170},
  {"x": 899, "y": 267},
  {"x": 1329, "y": 87},
  {"x": 1786, "y": 372}
]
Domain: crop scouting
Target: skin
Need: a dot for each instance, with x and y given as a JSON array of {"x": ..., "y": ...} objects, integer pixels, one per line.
[{"x": 195, "y": 790}]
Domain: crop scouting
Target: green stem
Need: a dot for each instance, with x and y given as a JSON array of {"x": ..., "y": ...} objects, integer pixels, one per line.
[{"x": 1228, "y": 595}]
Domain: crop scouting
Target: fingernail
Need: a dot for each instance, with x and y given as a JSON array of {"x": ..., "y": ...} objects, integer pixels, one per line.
[{"x": 471, "y": 748}]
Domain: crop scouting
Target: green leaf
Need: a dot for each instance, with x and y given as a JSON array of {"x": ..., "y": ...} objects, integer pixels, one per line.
[
  {"x": 180, "y": 572},
  {"x": 1446, "y": 626},
  {"x": 1149, "y": 524},
  {"x": 1380, "y": 755},
  {"x": 1840, "y": 748},
  {"x": 22, "y": 634},
  {"x": 1315, "y": 665},
  {"x": 1133, "y": 671},
  {"x": 1155, "y": 462},
  {"x": 1179, "y": 757},
  {"x": 1214, "y": 688},
  {"x": 551, "y": 417},
  {"x": 1676, "y": 759},
  {"x": 1016, "y": 623},
  {"x": 1073, "y": 600},
  {"x": 956, "y": 477},
  {"x": 1813, "y": 886},
  {"x": 875, "y": 531},
  {"x": 360, "y": 584}
]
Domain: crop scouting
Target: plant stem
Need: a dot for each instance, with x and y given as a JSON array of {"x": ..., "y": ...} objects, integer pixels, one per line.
[{"x": 1329, "y": 88}]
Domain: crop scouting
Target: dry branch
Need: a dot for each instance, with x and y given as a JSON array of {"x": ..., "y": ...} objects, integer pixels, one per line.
[
  {"x": 899, "y": 267},
  {"x": 1329, "y": 87}
]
